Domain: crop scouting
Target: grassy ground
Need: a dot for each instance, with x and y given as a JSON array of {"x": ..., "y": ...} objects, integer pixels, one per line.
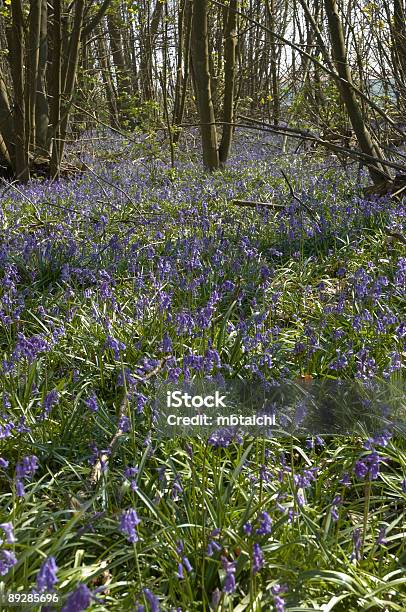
[{"x": 136, "y": 272}]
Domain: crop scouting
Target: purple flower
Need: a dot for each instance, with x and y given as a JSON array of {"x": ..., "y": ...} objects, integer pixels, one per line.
[
  {"x": 177, "y": 488},
  {"x": 356, "y": 540},
  {"x": 187, "y": 564},
  {"x": 131, "y": 472},
  {"x": 24, "y": 469},
  {"x": 179, "y": 573},
  {"x": 369, "y": 465},
  {"x": 279, "y": 602},
  {"x": 381, "y": 439},
  {"x": 212, "y": 547},
  {"x": 265, "y": 526},
  {"x": 124, "y": 424},
  {"x": 257, "y": 559},
  {"x": 27, "y": 467},
  {"x": 140, "y": 400},
  {"x": 78, "y": 600},
  {"x": 29, "y": 348},
  {"x": 166, "y": 344},
  {"x": 115, "y": 345},
  {"x": 381, "y": 539},
  {"x": 247, "y": 528},
  {"x": 128, "y": 522},
  {"x": 50, "y": 400},
  {"x": 7, "y": 560},
  {"x": 345, "y": 480},
  {"x": 9, "y": 531},
  {"x": 215, "y": 598},
  {"x": 46, "y": 578},
  {"x": 223, "y": 437},
  {"x": 3, "y": 463},
  {"x": 229, "y": 581},
  {"x": 152, "y": 600},
  {"x": 334, "y": 513},
  {"x": 6, "y": 430},
  {"x": 304, "y": 480},
  {"x": 91, "y": 403}
]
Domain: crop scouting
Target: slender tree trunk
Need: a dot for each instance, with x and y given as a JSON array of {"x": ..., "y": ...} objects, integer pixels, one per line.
[
  {"x": 32, "y": 69},
  {"x": 274, "y": 64},
  {"x": 399, "y": 54},
  {"x": 107, "y": 81},
  {"x": 7, "y": 147},
  {"x": 71, "y": 71},
  {"x": 41, "y": 106},
  {"x": 366, "y": 143},
  {"x": 200, "y": 58},
  {"x": 117, "y": 53},
  {"x": 230, "y": 45},
  {"x": 147, "y": 52},
  {"x": 183, "y": 75},
  {"x": 56, "y": 86},
  {"x": 15, "y": 36}
]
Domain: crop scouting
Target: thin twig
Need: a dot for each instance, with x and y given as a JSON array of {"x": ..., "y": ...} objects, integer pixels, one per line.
[
  {"x": 104, "y": 457},
  {"x": 312, "y": 214}
]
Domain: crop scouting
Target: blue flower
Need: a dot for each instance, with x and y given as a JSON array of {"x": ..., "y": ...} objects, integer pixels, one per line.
[
  {"x": 91, "y": 403},
  {"x": 79, "y": 600},
  {"x": 7, "y": 560},
  {"x": 152, "y": 600},
  {"x": 46, "y": 578},
  {"x": 229, "y": 581},
  {"x": 9, "y": 531},
  {"x": 265, "y": 526},
  {"x": 257, "y": 559},
  {"x": 50, "y": 400},
  {"x": 128, "y": 522}
]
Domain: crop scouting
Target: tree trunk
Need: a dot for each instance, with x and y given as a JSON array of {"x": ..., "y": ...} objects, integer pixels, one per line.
[
  {"x": 399, "y": 51},
  {"x": 230, "y": 45},
  {"x": 117, "y": 53},
  {"x": 41, "y": 106},
  {"x": 56, "y": 85},
  {"x": 147, "y": 52},
  {"x": 366, "y": 143},
  {"x": 15, "y": 36},
  {"x": 7, "y": 140},
  {"x": 200, "y": 58},
  {"x": 70, "y": 70},
  {"x": 32, "y": 70},
  {"x": 107, "y": 81}
]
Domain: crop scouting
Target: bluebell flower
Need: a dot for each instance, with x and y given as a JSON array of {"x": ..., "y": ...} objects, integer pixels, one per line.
[
  {"x": 91, "y": 403},
  {"x": 179, "y": 573},
  {"x": 356, "y": 540},
  {"x": 277, "y": 591},
  {"x": 128, "y": 522},
  {"x": 124, "y": 423},
  {"x": 46, "y": 578},
  {"x": 257, "y": 558},
  {"x": 80, "y": 599},
  {"x": 50, "y": 400},
  {"x": 152, "y": 600},
  {"x": 229, "y": 581},
  {"x": 381, "y": 539},
  {"x": 7, "y": 560},
  {"x": 187, "y": 564}
]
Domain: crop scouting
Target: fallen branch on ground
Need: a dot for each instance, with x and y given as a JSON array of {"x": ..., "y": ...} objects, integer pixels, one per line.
[{"x": 253, "y": 204}]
